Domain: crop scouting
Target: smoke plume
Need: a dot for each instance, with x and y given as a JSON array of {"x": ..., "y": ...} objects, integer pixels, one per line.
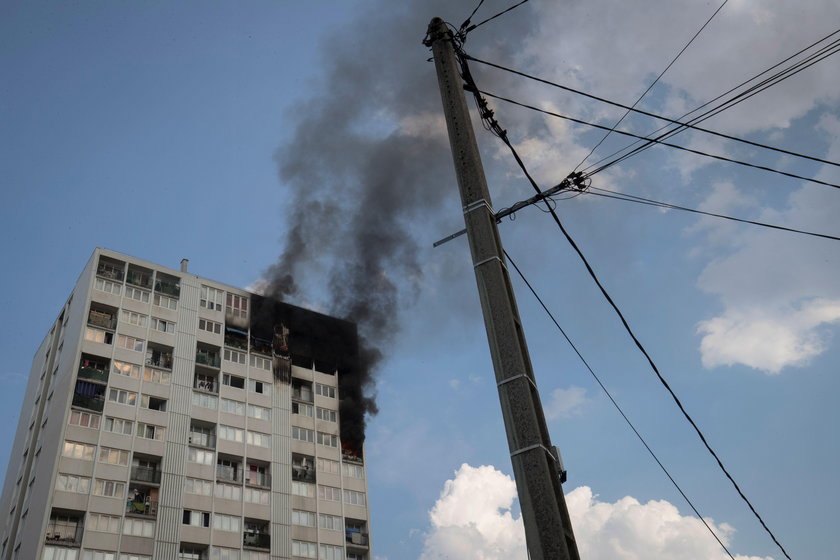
[{"x": 367, "y": 165}]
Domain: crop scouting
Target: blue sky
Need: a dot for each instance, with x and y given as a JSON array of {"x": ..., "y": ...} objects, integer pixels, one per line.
[{"x": 205, "y": 130}]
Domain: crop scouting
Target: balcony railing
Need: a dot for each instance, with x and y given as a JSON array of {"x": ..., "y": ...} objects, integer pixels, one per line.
[
  {"x": 256, "y": 540},
  {"x": 228, "y": 473},
  {"x": 145, "y": 474},
  {"x": 258, "y": 479},
  {"x": 303, "y": 474},
  {"x": 211, "y": 359},
  {"x": 96, "y": 403},
  {"x": 102, "y": 319},
  {"x": 356, "y": 537},
  {"x": 147, "y": 508},
  {"x": 205, "y": 385},
  {"x": 96, "y": 374},
  {"x": 305, "y": 396},
  {"x": 203, "y": 440},
  {"x": 168, "y": 288},
  {"x": 68, "y": 535},
  {"x": 163, "y": 361}
]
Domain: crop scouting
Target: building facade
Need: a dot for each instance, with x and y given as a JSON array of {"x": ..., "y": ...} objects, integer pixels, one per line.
[{"x": 169, "y": 416}]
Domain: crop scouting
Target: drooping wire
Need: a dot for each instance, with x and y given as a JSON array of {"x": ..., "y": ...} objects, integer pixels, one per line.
[
  {"x": 488, "y": 118},
  {"x": 649, "y": 114},
  {"x": 462, "y": 30},
  {"x": 657, "y": 141},
  {"x": 601, "y": 141},
  {"x": 615, "y": 403},
  {"x": 491, "y": 18},
  {"x": 792, "y": 70}
]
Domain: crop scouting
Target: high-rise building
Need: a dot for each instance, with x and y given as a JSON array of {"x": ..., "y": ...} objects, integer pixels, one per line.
[{"x": 169, "y": 416}]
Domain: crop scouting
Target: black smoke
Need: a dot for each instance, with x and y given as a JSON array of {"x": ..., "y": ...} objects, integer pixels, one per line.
[{"x": 366, "y": 167}]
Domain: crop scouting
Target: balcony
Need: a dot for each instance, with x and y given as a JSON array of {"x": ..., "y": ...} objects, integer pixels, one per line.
[
  {"x": 145, "y": 474},
  {"x": 159, "y": 356},
  {"x": 94, "y": 369},
  {"x": 145, "y": 508},
  {"x": 140, "y": 277},
  {"x": 168, "y": 285},
  {"x": 261, "y": 346},
  {"x": 199, "y": 439},
  {"x": 208, "y": 358},
  {"x": 236, "y": 338},
  {"x": 263, "y": 480},
  {"x": 110, "y": 270},
  {"x": 66, "y": 534},
  {"x": 102, "y": 319},
  {"x": 228, "y": 473},
  {"x": 256, "y": 539},
  {"x": 356, "y": 533},
  {"x": 95, "y": 402}
]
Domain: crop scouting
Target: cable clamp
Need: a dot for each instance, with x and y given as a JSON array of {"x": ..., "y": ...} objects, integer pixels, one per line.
[
  {"x": 531, "y": 448},
  {"x": 515, "y": 377},
  {"x": 487, "y": 260},
  {"x": 478, "y": 204}
]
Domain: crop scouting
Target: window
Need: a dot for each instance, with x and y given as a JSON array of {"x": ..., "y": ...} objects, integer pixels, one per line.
[
  {"x": 108, "y": 286},
  {"x": 54, "y": 553},
  {"x": 166, "y": 302},
  {"x": 259, "y": 362},
  {"x": 96, "y": 335},
  {"x": 259, "y": 439},
  {"x": 303, "y": 489},
  {"x": 109, "y": 488},
  {"x": 202, "y": 435},
  {"x": 130, "y": 343},
  {"x": 232, "y": 407},
  {"x": 162, "y": 325},
  {"x": 327, "y": 465},
  {"x": 204, "y": 400},
  {"x": 227, "y": 522},
  {"x": 153, "y": 403},
  {"x": 237, "y": 306},
  {"x": 260, "y": 387},
  {"x": 304, "y": 549},
  {"x": 76, "y": 450},
  {"x": 218, "y": 553},
  {"x": 302, "y": 409},
  {"x": 233, "y": 381},
  {"x": 326, "y": 414},
  {"x": 329, "y": 493},
  {"x": 352, "y": 471},
  {"x": 303, "y": 518},
  {"x": 122, "y": 397},
  {"x": 354, "y": 498},
  {"x": 198, "y": 486},
  {"x": 192, "y": 552},
  {"x": 330, "y": 440},
  {"x": 200, "y": 456},
  {"x": 137, "y": 294},
  {"x": 103, "y": 523},
  {"x": 259, "y": 412},
  {"x": 126, "y": 556},
  {"x": 234, "y": 356},
  {"x": 325, "y": 390},
  {"x": 303, "y": 434},
  {"x": 156, "y": 376},
  {"x": 139, "y": 527},
  {"x": 228, "y": 492},
  {"x": 211, "y": 298},
  {"x": 257, "y": 496},
  {"x": 331, "y": 552},
  {"x": 113, "y": 456},
  {"x": 196, "y": 518},
  {"x": 133, "y": 318},
  {"x": 231, "y": 433},
  {"x": 72, "y": 483},
  {"x": 118, "y": 426},
  {"x": 149, "y": 431},
  {"x": 209, "y": 326},
  {"x": 126, "y": 369},
  {"x": 330, "y": 522}
]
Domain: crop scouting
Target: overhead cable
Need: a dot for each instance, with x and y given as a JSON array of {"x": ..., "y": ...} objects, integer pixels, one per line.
[
  {"x": 601, "y": 141},
  {"x": 615, "y": 404}
]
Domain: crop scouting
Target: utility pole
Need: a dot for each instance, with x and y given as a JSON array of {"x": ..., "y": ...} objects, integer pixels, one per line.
[{"x": 536, "y": 463}]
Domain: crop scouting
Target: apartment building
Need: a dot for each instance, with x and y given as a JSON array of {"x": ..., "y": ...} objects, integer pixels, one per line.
[{"x": 169, "y": 416}]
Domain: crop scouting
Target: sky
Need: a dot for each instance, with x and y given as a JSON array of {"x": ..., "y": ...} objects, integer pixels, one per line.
[{"x": 264, "y": 139}]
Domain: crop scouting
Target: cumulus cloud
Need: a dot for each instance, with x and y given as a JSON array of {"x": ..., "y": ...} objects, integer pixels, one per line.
[
  {"x": 563, "y": 403},
  {"x": 473, "y": 520}
]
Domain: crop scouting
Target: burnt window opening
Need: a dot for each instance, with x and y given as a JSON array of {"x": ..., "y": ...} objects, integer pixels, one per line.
[
  {"x": 301, "y": 361},
  {"x": 261, "y": 346}
]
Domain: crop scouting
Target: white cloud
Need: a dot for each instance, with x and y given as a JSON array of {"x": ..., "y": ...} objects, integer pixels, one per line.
[
  {"x": 472, "y": 520},
  {"x": 563, "y": 403}
]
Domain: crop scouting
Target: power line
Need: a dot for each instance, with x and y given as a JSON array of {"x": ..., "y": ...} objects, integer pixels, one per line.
[
  {"x": 615, "y": 404},
  {"x": 492, "y": 124},
  {"x": 601, "y": 141},
  {"x": 649, "y": 114},
  {"x": 657, "y": 141},
  {"x": 491, "y": 18}
]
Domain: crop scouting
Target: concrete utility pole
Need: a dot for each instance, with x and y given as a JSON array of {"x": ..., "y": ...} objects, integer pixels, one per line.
[{"x": 536, "y": 464}]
